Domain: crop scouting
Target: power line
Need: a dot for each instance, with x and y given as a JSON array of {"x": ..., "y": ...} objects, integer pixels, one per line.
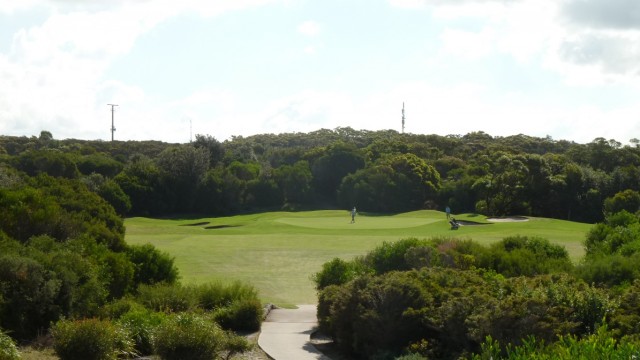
[{"x": 113, "y": 110}]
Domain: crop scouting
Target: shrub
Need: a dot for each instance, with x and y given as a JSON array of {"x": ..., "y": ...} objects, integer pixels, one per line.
[
  {"x": 609, "y": 270},
  {"x": 242, "y": 315},
  {"x": 90, "y": 339},
  {"x": 152, "y": 266},
  {"x": 118, "y": 308},
  {"x": 335, "y": 272},
  {"x": 212, "y": 296},
  {"x": 391, "y": 256},
  {"x": 141, "y": 324},
  {"x": 188, "y": 336},
  {"x": 8, "y": 349},
  {"x": 28, "y": 294},
  {"x": 167, "y": 298},
  {"x": 528, "y": 256}
]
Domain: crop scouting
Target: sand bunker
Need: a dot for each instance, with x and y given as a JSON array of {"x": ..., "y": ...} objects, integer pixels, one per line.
[{"x": 509, "y": 219}]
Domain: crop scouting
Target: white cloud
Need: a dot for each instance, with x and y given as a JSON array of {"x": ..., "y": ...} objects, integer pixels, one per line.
[
  {"x": 309, "y": 28},
  {"x": 468, "y": 45},
  {"x": 53, "y": 75},
  {"x": 607, "y": 14},
  {"x": 408, "y": 4}
]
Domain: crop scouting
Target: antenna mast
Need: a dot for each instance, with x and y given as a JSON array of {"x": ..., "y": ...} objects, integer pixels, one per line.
[
  {"x": 113, "y": 110},
  {"x": 403, "y": 117}
]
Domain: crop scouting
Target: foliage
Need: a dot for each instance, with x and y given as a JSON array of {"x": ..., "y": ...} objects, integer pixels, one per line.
[
  {"x": 241, "y": 315},
  {"x": 8, "y": 349},
  {"x": 90, "y": 339},
  {"x": 213, "y": 296},
  {"x": 335, "y": 272},
  {"x": 442, "y": 313},
  {"x": 628, "y": 200},
  {"x": 190, "y": 336},
  {"x": 167, "y": 298},
  {"x": 528, "y": 256},
  {"x": 599, "y": 345},
  {"x": 29, "y": 294},
  {"x": 396, "y": 183},
  {"x": 51, "y": 162},
  {"x": 141, "y": 325},
  {"x": 610, "y": 270},
  {"x": 152, "y": 266}
]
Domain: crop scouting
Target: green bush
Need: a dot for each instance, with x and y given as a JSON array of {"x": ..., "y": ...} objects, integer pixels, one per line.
[
  {"x": 152, "y": 266},
  {"x": 167, "y": 298},
  {"x": 188, "y": 336},
  {"x": 141, "y": 325},
  {"x": 8, "y": 349},
  {"x": 242, "y": 315},
  {"x": 528, "y": 256},
  {"x": 28, "y": 295},
  {"x": 212, "y": 296},
  {"x": 390, "y": 256},
  {"x": 609, "y": 270},
  {"x": 117, "y": 308},
  {"x": 335, "y": 272},
  {"x": 90, "y": 339},
  {"x": 599, "y": 345}
]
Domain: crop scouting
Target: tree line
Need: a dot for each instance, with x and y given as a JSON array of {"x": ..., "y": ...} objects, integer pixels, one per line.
[{"x": 377, "y": 171}]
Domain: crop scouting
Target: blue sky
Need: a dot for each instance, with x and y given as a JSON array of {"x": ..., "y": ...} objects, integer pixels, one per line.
[{"x": 569, "y": 69}]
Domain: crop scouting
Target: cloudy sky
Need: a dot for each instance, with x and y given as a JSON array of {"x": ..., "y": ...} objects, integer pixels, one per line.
[{"x": 569, "y": 69}]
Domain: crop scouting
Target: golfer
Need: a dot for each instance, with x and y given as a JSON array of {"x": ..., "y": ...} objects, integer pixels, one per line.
[{"x": 353, "y": 215}]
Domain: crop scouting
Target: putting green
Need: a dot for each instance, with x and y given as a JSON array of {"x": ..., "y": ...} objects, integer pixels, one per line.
[{"x": 362, "y": 222}]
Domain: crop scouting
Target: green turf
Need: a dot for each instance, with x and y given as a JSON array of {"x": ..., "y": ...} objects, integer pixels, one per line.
[{"x": 277, "y": 252}]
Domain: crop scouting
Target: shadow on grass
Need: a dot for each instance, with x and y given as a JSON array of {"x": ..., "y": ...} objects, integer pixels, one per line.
[
  {"x": 197, "y": 224},
  {"x": 213, "y": 227}
]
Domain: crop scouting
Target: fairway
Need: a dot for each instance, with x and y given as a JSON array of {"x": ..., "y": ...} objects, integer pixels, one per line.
[{"x": 277, "y": 252}]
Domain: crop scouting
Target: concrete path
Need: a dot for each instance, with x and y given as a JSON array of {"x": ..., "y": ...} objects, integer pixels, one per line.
[{"x": 285, "y": 334}]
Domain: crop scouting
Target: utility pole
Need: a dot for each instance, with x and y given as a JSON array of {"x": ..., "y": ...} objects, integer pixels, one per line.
[
  {"x": 403, "y": 117},
  {"x": 113, "y": 110}
]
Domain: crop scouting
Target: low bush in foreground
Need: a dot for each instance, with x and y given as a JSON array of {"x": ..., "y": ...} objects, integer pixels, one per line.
[
  {"x": 141, "y": 325},
  {"x": 599, "y": 345},
  {"x": 8, "y": 350},
  {"x": 90, "y": 339},
  {"x": 242, "y": 315},
  {"x": 194, "y": 337}
]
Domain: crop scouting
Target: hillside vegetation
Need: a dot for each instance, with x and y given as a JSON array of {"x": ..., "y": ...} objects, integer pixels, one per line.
[{"x": 204, "y": 214}]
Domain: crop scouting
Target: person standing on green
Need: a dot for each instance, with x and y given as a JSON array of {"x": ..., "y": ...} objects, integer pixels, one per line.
[
  {"x": 353, "y": 215},
  {"x": 448, "y": 211}
]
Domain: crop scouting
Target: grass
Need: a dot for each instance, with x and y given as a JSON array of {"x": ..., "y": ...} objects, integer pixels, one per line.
[{"x": 278, "y": 252}]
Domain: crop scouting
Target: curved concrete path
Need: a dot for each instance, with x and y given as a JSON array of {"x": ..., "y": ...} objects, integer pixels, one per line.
[{"x": 286, "y": 334}]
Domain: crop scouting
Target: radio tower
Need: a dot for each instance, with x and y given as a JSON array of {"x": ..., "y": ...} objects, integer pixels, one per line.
[
  {"x": 403, "y": 117},
  {"x": 113, "y": 110}
]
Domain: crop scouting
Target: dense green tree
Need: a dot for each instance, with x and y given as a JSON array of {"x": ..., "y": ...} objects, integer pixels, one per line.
[
  {"x": 628, "y": 200},
  {"x": 140, "y": 181},
  {"x": 99, "y": 163},
  {"x": 182, "y": 168},
  {"x": 398, "y": 183},
  {"x": 213, "y": 147},
  {"x": 51, "y": 162},
  {"x": 295, "y": 182},
  {"x": 502, "y": 188},
  {"x": 328, "y": 170}
]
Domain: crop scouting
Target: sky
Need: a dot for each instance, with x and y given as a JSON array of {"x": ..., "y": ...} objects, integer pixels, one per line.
[{"x": 568, "y": 69}]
